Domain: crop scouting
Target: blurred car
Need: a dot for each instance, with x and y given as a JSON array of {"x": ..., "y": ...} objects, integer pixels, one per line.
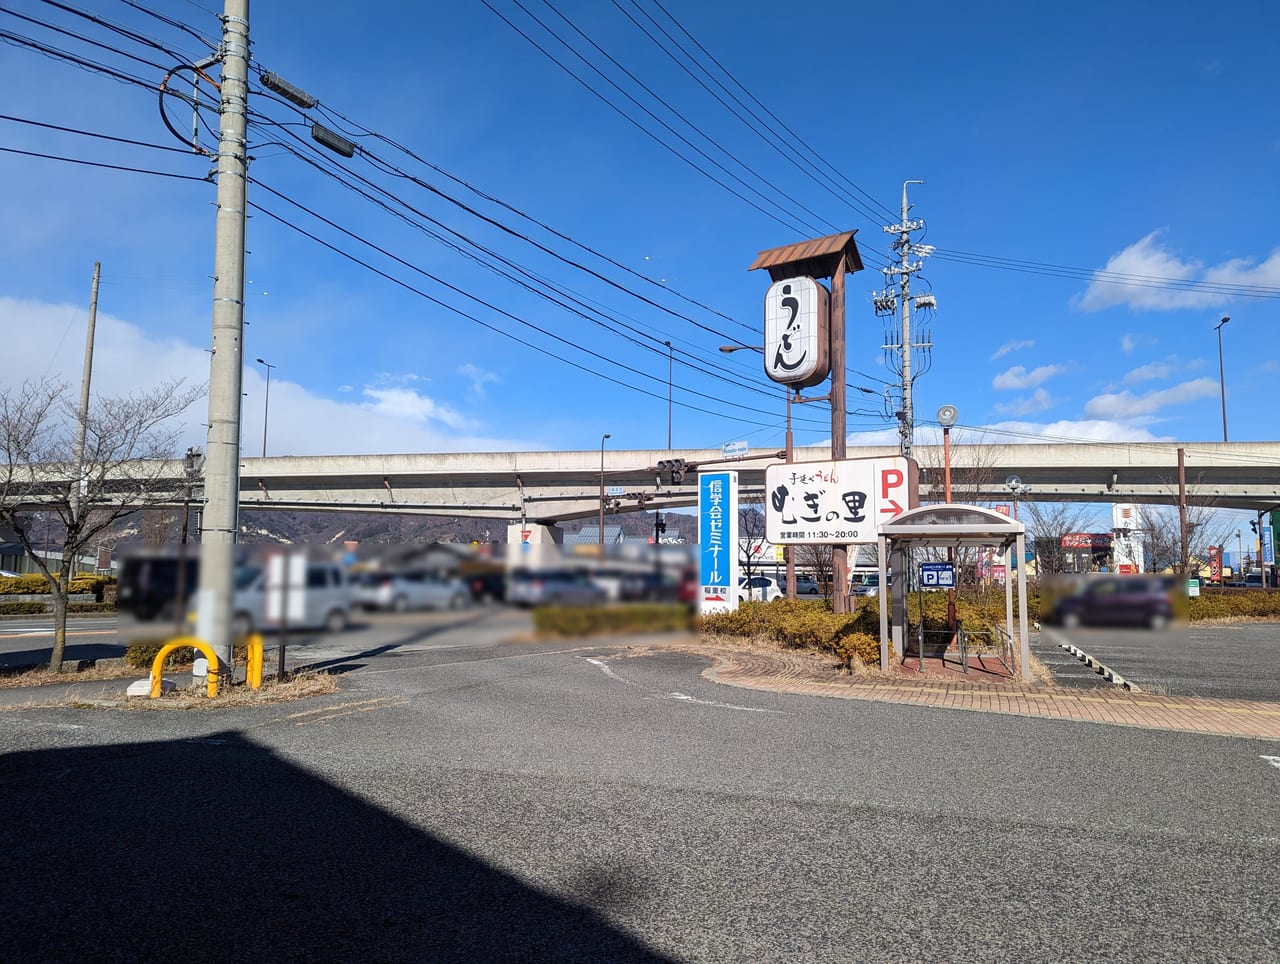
[
  {"x": 687, "y": 588},
  {"x": 403, "y": 590},
  {"x": 325, "y": 600},
  {"x": 807, "y": 586},
  {"x": 553, "y": 587},
  {"x": 1118, "y": 601},
  {"x": 867, "y": 584},
  {"x": 8, "y": 574},
  {"x": 759, "y": 589},
  {"x": 487, "y": 586}
]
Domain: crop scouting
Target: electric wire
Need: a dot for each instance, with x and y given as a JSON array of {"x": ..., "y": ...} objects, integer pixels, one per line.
[
  {"x": 93, "y": 134},
  {"x": 408, "y": 287},
  {"x": 102, "y": 164},
  {"x": 769, "y": 214},
  {"x": 535, "y": 221},
  {"x": 472, "y": 297},
  {"x": 557, "y": 294},
  {"x": 649, "y": 90},
  {"x": 796, "y": 138},
  {"x": 768, "y": 136}
]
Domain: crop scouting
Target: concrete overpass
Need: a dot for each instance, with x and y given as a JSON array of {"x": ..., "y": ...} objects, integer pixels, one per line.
[{"x": 552, "y": 487}]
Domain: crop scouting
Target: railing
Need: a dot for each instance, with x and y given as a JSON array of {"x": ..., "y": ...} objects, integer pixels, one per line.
[{"x": 995, "y": 641}]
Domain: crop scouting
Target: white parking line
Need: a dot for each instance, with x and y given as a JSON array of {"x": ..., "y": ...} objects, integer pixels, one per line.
[
  {"x": 1273, "y": 760},
  {"x": 723, "y": 706}
]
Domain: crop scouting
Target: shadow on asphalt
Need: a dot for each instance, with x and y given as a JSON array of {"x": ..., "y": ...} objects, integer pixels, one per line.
[
  {"x": 11, "y": 663},
  {"x": 339, "y": 663},
  {"x": 109, "y": 858}
]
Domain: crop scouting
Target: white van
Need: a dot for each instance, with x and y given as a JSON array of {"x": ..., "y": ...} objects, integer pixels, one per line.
[{"x": 326, "y": 600}]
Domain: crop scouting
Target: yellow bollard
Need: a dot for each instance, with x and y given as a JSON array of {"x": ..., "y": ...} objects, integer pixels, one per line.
[
  {"x": 193, "y": 643},
  {"x": 253, "y": 674}
]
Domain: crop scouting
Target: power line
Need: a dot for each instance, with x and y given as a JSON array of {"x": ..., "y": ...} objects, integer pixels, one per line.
[
  {"x": 769, "y": 136},
  {"x": 465, "y": 294},
  {"x": 645, "y": 130},
  {"x": 506, "y": 334},
  {"x": 649, "y": 90},
  {"x": 340, "y": 173},
  {"x": 796, "y": 138}
]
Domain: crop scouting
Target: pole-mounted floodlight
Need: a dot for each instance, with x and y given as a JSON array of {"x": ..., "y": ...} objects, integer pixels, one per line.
[{"x": 335, "y": 142}]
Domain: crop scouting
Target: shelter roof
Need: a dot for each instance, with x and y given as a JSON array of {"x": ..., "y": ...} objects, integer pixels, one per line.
[{"x": 953, "y": 524}]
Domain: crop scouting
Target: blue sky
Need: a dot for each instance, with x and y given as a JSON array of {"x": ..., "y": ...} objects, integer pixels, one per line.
[{"x": 1090, "y": 137}]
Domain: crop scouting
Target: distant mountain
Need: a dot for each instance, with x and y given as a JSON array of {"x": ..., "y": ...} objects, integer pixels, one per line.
[{"x": 269, "y": 527}]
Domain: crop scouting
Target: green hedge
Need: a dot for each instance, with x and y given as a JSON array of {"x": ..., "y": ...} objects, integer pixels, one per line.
[
  {"x": 595, "y": 620},
  {"x": 806, "y": 624},
  {"x": 35, "y": 584}
]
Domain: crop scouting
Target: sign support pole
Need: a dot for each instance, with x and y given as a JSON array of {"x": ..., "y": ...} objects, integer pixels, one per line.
[{"x": 839, "y": 554}]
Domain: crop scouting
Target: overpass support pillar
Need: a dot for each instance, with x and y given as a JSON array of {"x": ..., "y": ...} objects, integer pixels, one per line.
[{"x": 534, "y": 544}]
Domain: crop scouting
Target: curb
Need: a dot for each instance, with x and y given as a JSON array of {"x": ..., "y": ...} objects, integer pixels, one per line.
[{"x": 1106, "y": 671}]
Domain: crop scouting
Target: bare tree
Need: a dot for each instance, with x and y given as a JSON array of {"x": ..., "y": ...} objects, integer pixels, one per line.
[
  {"x": 818, "y": 560},
  {"x": 1161, "y": 533},
  {"x": 123, "y": 468},
  {"x": 751, "y": 540},
  {"x": 1048, "y": 522}
]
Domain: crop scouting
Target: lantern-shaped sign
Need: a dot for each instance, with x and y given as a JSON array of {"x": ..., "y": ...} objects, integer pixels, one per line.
[{"x": 797, "y": 332}]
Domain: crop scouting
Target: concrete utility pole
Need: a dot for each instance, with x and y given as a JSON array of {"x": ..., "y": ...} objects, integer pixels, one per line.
[
  {"x": 886, "y": 302},
  {"x": 82, "y": 416},
  {"x": 222, "y": 454}
]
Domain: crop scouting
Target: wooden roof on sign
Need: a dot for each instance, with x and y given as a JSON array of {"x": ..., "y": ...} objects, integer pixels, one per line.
[{"x": 816, "y": 258}]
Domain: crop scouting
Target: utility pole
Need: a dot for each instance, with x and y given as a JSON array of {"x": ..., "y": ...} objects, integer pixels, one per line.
[
  {"x": 82, "y": 415},
  {"x": 888, "y": 302},
  {"x": 222, "y": 453}
]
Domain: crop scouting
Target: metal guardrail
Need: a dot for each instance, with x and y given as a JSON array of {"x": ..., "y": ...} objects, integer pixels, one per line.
[{"x": 998, "y": 642}]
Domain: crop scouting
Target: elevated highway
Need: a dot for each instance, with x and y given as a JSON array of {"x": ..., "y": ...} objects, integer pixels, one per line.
[{"x": 550, "y": 487}]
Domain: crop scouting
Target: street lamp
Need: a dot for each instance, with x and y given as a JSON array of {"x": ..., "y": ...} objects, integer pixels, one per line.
[
  {"x": 671, "y": 358},
  {"x": 1222, "y": 381},
  {"x": 787, "y": 551},
  {"x": 266, "y": 406},
  {"x": 947, "y": 416},
  {"x": 1017, "y": 488},
  {"x": 602, "y": 438}
]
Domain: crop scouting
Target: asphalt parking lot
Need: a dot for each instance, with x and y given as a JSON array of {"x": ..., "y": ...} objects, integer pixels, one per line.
[{"x": 1223, "y": 661}]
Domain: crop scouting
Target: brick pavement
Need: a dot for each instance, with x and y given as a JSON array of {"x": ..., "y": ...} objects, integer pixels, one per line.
[{"x": 802, "y": 673}]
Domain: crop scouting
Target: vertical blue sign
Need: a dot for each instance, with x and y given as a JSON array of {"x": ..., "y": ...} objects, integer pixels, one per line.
[
  {"x": 718, "y": 541},
  {"x": 1268, "y": 545}
]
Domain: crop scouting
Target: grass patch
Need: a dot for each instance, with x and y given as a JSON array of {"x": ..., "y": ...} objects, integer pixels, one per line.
[
  {"x": 43, "y": 676},
  {"x": 295, "y": 686},
  {"x": 561, "y": 622}
]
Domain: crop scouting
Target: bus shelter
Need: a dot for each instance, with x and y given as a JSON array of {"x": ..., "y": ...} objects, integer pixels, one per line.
[{"x": 950, "y": 525}]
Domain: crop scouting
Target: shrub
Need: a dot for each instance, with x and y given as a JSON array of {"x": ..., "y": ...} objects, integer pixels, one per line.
[
  {"x": 592, "y": 620},
  {"x": 142, "y": 655},
  {"x": 22, "y": 608}
]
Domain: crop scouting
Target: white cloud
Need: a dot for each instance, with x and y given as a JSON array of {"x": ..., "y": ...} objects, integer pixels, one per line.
[
  {"x": 478, "y": 376},
  {"x": 1018, "y": 378},
  {"x": 1126, "y": 405},
  {"x": 1011, "y": 346},
  {"x": 1091, "y": 430},
  {"x": 390, "y": 417},
  {"x": 1127, "y": 344},
  {"x": 1147, "y": 259},
  {"x": 1037, "y": 401},
  {"x": 405, "y": 403},
  {"x": 1152, "y": 371}
]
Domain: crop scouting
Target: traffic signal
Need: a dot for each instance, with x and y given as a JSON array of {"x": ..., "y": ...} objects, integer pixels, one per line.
[
  {"x": 660, "y": 525},
  {"x": 675, "y": 467}
]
